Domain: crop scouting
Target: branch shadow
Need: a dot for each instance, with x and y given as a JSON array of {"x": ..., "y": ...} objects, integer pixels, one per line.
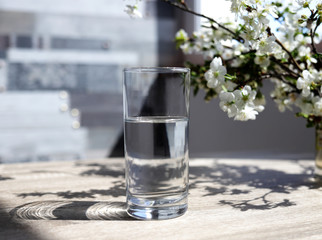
[
  {"x": 102, "y": 170},
  {"x": 237, "y": 185},
  {"x": 5, "y": 178},
  {"x": 117, "y": 190},
  {"x": 226, "y": 178},
  {"x": 71, "y": 210}
]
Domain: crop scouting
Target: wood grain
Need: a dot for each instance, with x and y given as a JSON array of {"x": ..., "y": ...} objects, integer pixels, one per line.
[{"x": 229, "y": 199}]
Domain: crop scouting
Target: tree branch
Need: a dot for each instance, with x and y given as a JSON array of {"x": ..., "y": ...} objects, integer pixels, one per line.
[
  {"x": 312, "y": 33},
  {"x": 295, "y": 63},
  {"x": 185, "y": 8},
  {"x": 290, "y": 71},
  {"x": 268, "y": 30}
]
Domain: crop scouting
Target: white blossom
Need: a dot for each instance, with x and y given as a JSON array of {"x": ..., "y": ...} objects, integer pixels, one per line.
[
  {"x": 280, "y": 96},
  {"x": 286, "y": 35},
  {"x": 216, "y": 74},
  {"x": 265, "y": 45},
  {"x": 182, "y": 35},
  {"x": 204, "y": 42},
  {"x": 241, "y": 104},
  {"x": 302, "y": 2},
  {"x": 305, "y": 54},
  {"x": 229, "y": 85},
  {"x": 246, "y": 113},
  {"x": 317, "y": 105},
  {"x": 301, "y": 40},
  {"x": 236, "y": 7},
  {"x": 187, "y": 48},
  {"x": 132, "y": 11},
  {"x": 203, "y": 38},
  {"x": 263, "y": 61},
  {"x": 305, "y": 104},
  {"x": 227, "y": 103},
  {"x": 304, "y": 83}
]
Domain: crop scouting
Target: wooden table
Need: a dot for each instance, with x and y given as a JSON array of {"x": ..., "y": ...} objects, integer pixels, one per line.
[{"x": 229, "y": 199}]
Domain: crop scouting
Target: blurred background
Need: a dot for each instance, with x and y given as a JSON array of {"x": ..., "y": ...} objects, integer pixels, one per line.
[{"x": 61, "y": 83}]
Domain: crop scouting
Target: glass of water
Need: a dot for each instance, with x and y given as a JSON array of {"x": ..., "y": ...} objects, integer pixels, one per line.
[{"x": 156, "y": 119}]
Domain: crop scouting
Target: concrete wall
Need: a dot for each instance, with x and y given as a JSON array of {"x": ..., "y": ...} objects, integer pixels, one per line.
[{"x": 271, "y": 135}]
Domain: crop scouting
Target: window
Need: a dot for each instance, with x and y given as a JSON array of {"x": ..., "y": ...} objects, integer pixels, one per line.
[{"x": 61, "y": 76}]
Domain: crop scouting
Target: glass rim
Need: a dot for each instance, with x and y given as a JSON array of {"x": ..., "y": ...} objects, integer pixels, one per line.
[{"x": 156, "y": 70}]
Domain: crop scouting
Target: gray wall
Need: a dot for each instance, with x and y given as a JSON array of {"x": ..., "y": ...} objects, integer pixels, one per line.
[{"x": 271, "y": 135}]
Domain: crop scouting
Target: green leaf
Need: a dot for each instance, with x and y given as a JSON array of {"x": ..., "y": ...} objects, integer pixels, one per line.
[{"x": 299, "y": 114}]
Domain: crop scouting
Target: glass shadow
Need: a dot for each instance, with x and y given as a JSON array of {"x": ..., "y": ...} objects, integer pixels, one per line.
[{"x": 71, "y": 210}]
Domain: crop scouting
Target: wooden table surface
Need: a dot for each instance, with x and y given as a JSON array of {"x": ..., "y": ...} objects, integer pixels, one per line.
[{"x": 229, "y": 199}]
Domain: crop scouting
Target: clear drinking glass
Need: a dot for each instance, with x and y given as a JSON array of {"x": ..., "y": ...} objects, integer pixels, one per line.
[{"x": 156, "y": 119}]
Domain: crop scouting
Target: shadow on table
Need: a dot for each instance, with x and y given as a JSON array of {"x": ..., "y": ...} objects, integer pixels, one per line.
[
  {"x": 94, "y": 169},
  {"x": 12, "y": 230},
  {"x": 236, "y": 185},
  {"x": 229, "y": 180},
  {"x": 4, "y": 178},
  {"x": 116, "y": 191},
  {"x": 99, "y": 169},
  {"x": 71, "y": 210}
]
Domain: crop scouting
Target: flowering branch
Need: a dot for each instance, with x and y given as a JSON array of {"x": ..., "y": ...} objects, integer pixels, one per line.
[
  {"x": 285, "y": 49},
  {"x": 312, "y": 34},
  {"x": 238, "y": 59},
  {"x": 292, "y": 73},
  {"x": 183, "y": 6}
]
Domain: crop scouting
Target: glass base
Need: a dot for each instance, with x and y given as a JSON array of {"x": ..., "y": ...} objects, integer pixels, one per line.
[
  {"x": 156, "y": 213},
  {"x": 157, "y": 208}
]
